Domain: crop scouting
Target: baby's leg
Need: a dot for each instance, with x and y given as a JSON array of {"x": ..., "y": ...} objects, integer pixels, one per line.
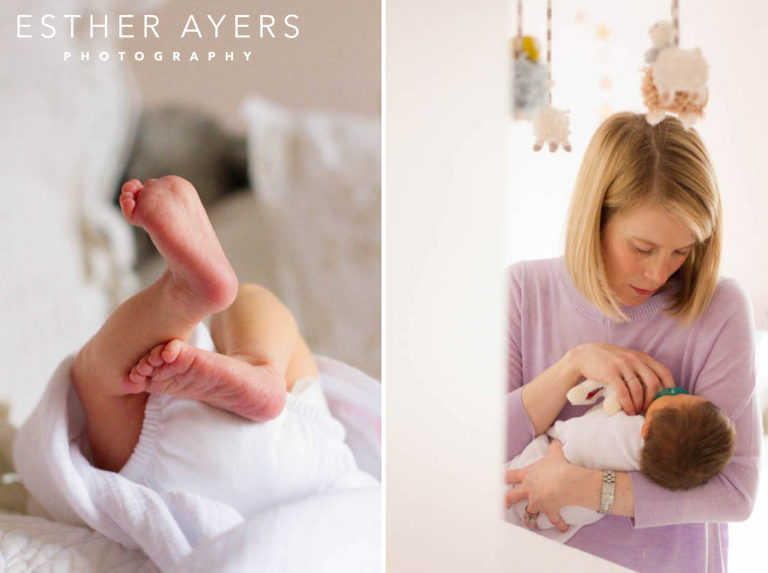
[
  {"x": 198, "y": 281},
  {"x": 259, "y": 329},
  {"x": 261, "y": 356}
]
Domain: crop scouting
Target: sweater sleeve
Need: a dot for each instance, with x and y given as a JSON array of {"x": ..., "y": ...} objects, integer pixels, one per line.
[
  {"x": 727, "y": 378},
  {"x": 520, "y": 431}
]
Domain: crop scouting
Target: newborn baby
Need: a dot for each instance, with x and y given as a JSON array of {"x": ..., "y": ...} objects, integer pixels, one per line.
[
  {"x": 681, "y": 442},
  {"x": 243, "y": 425}
]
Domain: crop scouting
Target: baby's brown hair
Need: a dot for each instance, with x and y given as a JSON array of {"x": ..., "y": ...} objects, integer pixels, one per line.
[{"x": 686, "y": 446}]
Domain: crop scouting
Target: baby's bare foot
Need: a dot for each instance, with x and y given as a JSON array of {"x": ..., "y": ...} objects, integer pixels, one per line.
[
  {"x": 169, "y": 209},
  {"x": 256, "y": 392}
]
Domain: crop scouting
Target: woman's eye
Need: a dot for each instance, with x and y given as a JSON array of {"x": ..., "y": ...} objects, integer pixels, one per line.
[
  {"x": 682, "y": 253},
  {"x": 642, "y": 251}
]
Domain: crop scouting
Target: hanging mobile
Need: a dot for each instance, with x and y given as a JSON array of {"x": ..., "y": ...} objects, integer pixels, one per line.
[
  {"x": 551, "y": 125},
  {"x": 529, "y": 76},
  {"x": 675, "y": 80}
]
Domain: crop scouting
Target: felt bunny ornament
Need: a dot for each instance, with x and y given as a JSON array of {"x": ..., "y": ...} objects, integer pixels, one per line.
[{"x": 589, "y": 392}]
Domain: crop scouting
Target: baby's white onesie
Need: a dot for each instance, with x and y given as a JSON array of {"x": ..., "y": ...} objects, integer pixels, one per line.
[
  {"x": 593, "y": 441},
  {"x": 186, "y": 445}
]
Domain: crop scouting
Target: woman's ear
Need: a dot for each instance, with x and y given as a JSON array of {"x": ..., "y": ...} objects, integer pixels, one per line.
[{"x": 644, "y": 429}]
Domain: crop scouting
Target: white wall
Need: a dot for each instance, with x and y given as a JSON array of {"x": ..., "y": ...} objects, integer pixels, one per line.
[
  {"x": 731, "y": 37},
  {"x": 444, "y": 342}
]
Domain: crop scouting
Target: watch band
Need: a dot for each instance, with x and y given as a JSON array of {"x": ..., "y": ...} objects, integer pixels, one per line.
[{"x": 607, "y": 491}]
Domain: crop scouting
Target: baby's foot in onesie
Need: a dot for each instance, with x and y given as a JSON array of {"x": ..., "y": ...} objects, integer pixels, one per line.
[
  {"x": 169, "y": 209},
  {"x": 253, "y": 391}
]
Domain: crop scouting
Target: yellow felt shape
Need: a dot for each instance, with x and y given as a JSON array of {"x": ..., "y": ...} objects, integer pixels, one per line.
[{"x": 531, "y": 48}]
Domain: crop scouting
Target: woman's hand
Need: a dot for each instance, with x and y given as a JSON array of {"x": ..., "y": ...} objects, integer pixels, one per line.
[
  {"x": 634, "y": 375},
  {"x": 545, "y": 484}
]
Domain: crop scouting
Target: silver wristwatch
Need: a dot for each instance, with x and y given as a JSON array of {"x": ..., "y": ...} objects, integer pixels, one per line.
[{"x": 607, "y": 491}]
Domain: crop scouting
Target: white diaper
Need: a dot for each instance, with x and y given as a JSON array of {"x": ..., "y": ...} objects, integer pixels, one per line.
[{"x": 189, "y": 446}]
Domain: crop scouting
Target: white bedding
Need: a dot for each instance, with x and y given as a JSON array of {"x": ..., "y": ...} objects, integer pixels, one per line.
[
  {"x": 33, "y": 543},
  {"x": 68, "y": 256},
  {"x": 313, "y": 534},
  {"x": 65, "y": 255}
]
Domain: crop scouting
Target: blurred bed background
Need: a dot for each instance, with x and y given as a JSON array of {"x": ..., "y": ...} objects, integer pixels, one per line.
[
  {"x": 284, "y": 150},
  {"x": 598, "y": 50}
]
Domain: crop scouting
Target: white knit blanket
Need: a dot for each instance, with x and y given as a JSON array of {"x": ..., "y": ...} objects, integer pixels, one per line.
[{"x": 185, "y": 532}]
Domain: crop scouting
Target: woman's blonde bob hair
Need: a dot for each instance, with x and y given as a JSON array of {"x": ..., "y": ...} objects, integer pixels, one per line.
[{"x": 629, "y": 162}]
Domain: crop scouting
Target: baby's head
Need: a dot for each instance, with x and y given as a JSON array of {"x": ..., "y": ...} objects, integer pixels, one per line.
[{"x": 688, "y": 440}]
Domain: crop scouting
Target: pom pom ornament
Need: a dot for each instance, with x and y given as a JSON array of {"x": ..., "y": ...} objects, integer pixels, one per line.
[
  {"x": 529, "y": 77},
  {"x": 526, "y": 46},
  {"x": 687, "y": 107},
  {"x": 529, "y": 87},
  {"x": 551, "y": 126},
  {"x": 675, "y": 80},
  {"x": 662, "y": 36}
]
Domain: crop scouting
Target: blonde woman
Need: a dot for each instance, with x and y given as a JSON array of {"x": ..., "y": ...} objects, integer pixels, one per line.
[{"x": 635, "y": 303}]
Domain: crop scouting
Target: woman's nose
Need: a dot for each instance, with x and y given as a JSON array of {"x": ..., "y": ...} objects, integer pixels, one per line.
[{"x": 656, "y": 272}]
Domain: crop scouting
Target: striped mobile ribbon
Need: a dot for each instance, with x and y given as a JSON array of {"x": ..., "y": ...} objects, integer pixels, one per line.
[
  {"x": 676, "y": 22},
  {"x": 549, "y": 50}
]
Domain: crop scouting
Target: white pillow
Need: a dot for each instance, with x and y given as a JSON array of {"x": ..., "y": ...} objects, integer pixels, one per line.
[
  {"x": 67, "y": 127},
  {"x": 318, "y": 176}
]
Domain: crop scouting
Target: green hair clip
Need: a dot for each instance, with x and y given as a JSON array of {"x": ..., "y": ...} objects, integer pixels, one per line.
[{"x": 674, "y": 391}]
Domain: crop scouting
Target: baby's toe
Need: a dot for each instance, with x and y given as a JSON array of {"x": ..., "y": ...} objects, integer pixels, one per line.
[
  {"x": 144, "y": 367},
  {"x": 155, "y": 357},
  {"x": 131, "y": 186},
  {"x": 135, "y": 377},
  {"x": 127, "y": 204},
  {"x": 172, "y": 350}
]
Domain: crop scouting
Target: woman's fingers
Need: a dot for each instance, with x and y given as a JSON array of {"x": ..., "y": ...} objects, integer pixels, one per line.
[
  {"x": 653, "y": 375},
  {"x": 514, "y": 476},
  {"x": 651, "y": 383},
  {"x": 557, "y": 521},
  {"x": 515, "y": 495},
  {"x": 643, "y": 377},
  {"x": 635, "y": 390},
  {"x": 634, "y": 375},
  {"x": 638, "y": 388},
  {"x": 541, "y": 487},
  {"x": 623, "y": 395},
  {"x": 662, "y": 372}
]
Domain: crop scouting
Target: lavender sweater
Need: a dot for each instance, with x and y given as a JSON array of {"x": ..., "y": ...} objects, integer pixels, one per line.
[{"x": 714, "y": 358}]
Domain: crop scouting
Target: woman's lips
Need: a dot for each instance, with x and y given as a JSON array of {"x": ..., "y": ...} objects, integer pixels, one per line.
[{"x": 643, "y": 292}]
